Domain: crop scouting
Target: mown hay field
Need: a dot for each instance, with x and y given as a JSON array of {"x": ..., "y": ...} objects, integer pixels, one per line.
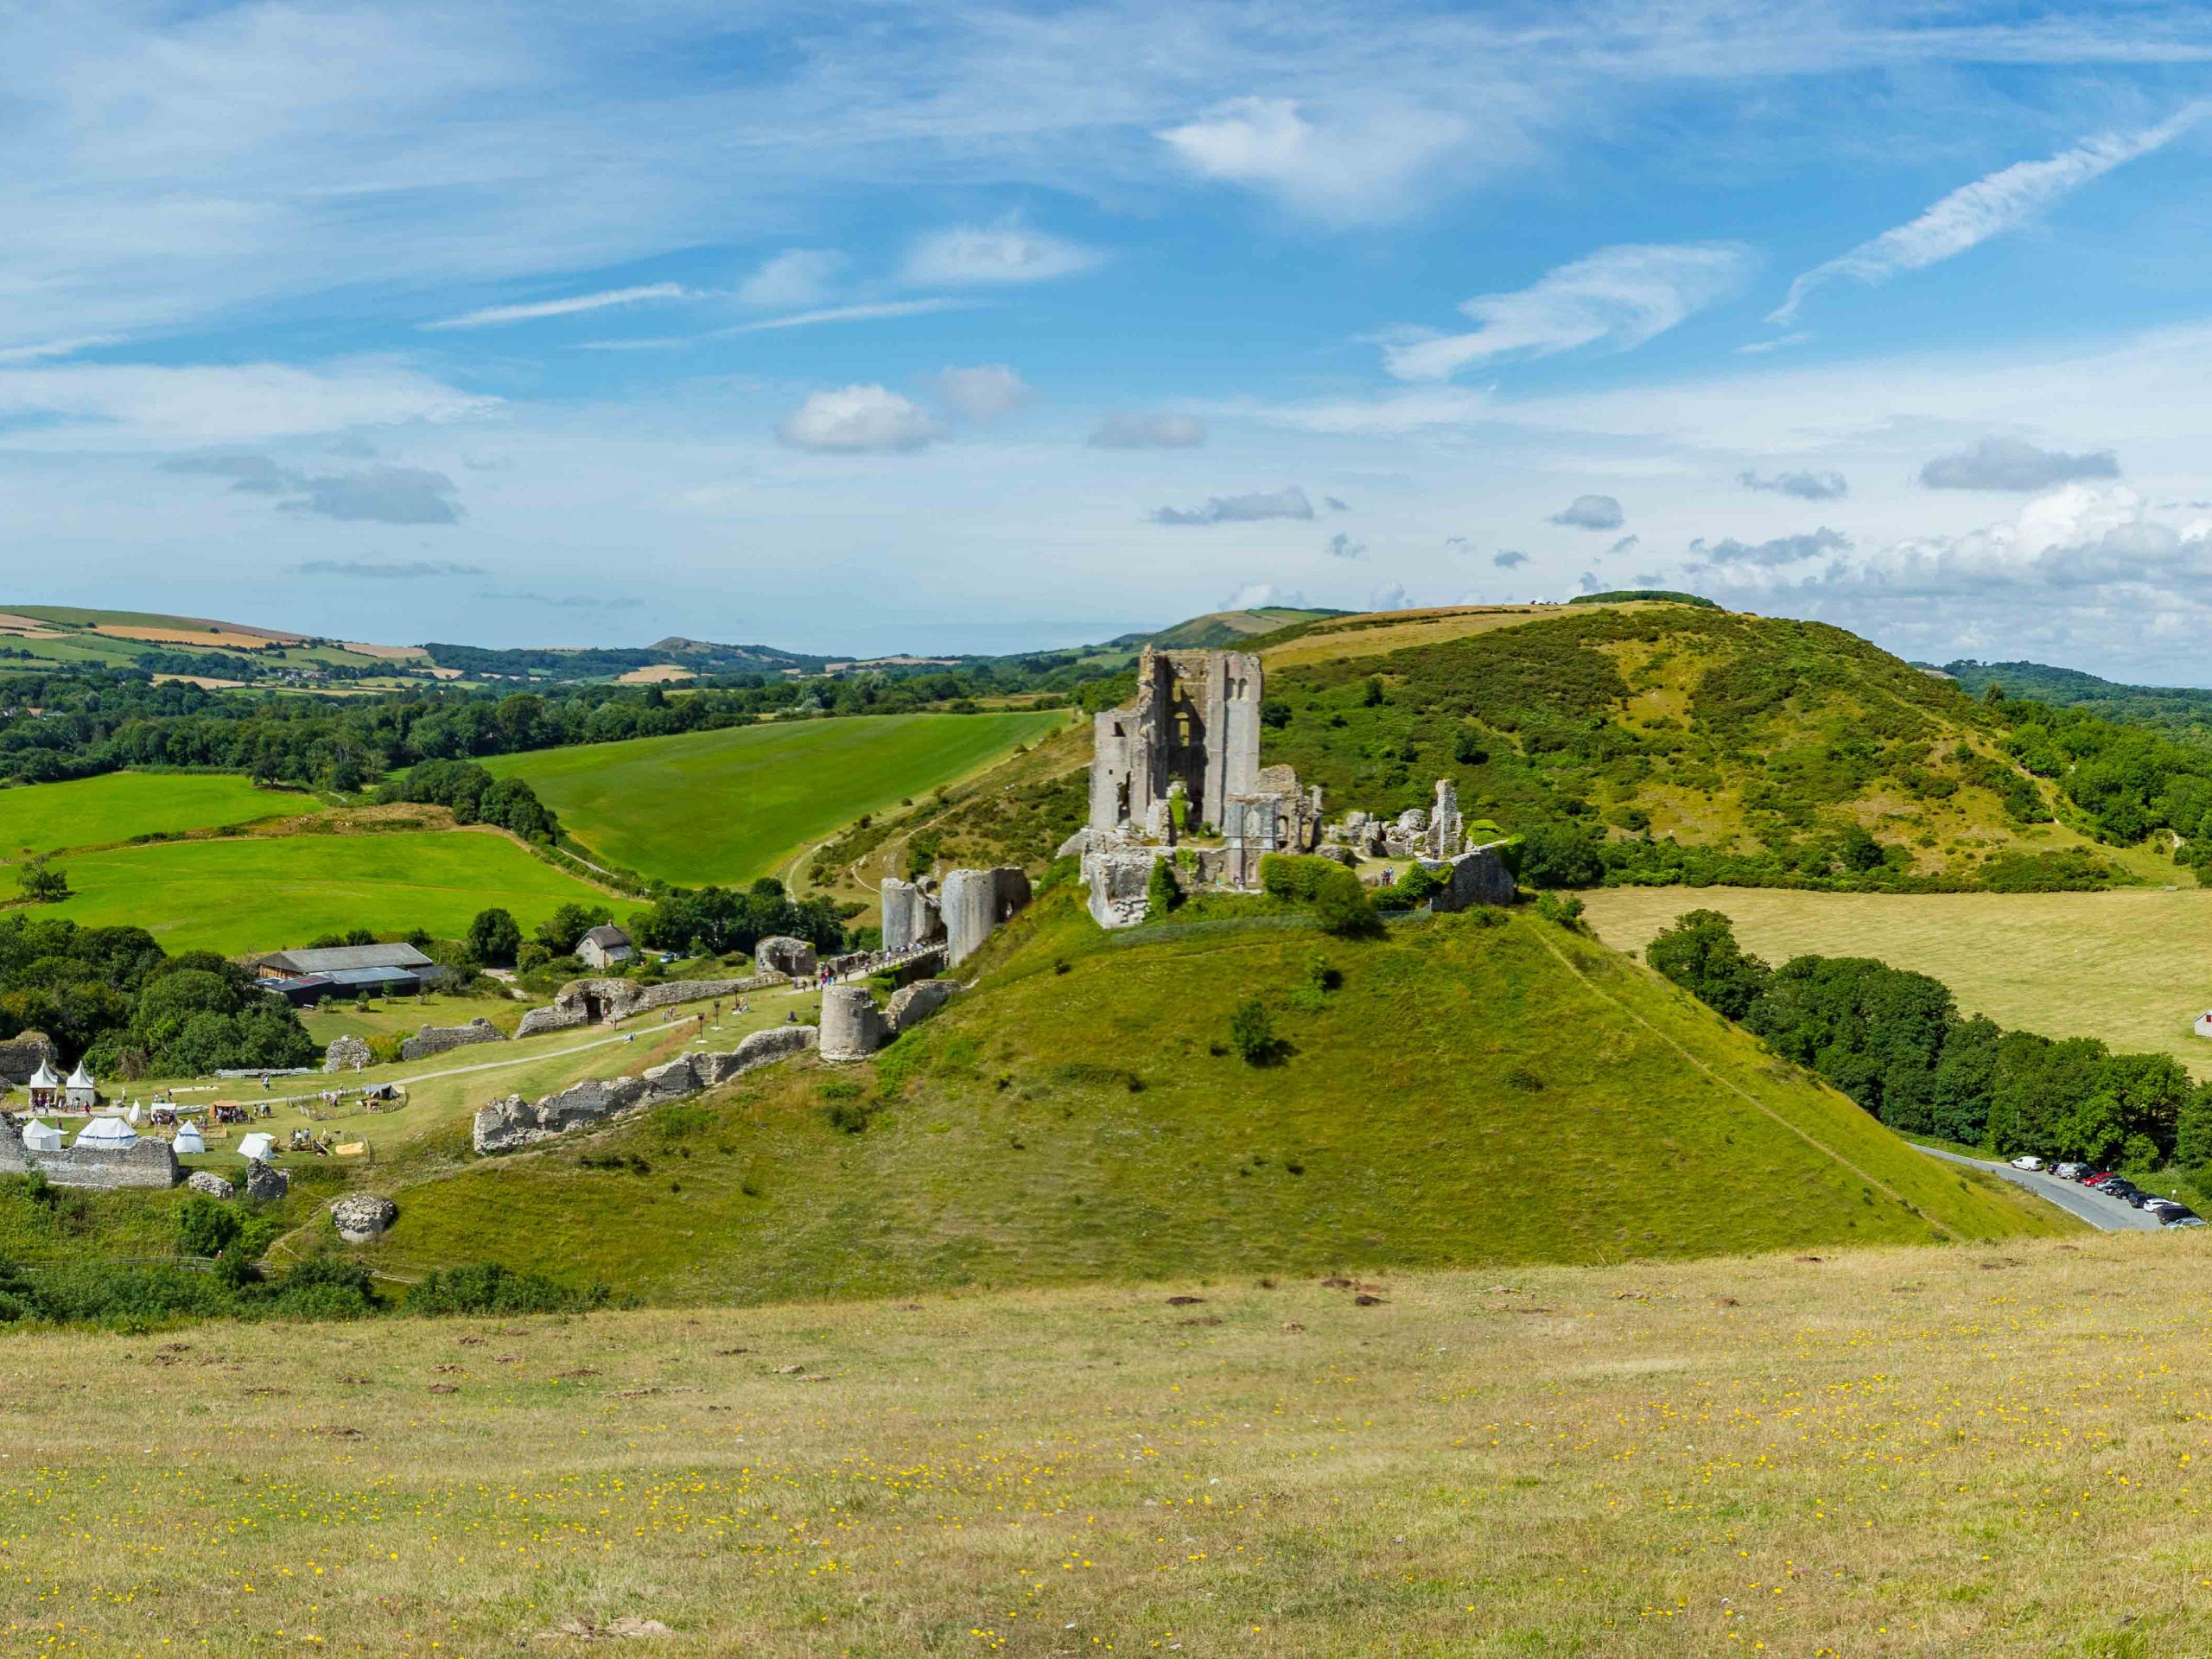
[
  {"x": 101, "y": 811},
  {"x": 727, "y": 806},
  {"x": 2133, "y": 967},
  {"x": 263, "y": 893},
  {"x": 1933, "y": 1451}
]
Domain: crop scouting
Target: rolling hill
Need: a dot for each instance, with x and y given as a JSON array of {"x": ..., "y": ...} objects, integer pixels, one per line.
[
  {"x": 1755, "y": 740},
  {"x": 2178, "y": 708},
  {"x": 1469, "y": 1093},
  {"x": 731, "y": 804}
]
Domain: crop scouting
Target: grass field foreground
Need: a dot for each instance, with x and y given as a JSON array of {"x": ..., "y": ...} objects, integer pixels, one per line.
[
  {"x": 265, "y": 894},
  {"x": 727, "y": 806},
  {"x": 2132, "y": 967},
  {"x": 1884, "y": 1452},
  {"x": 103, "y": 810}
]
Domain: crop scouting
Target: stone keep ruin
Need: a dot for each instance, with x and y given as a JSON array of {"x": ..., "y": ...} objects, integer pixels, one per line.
[{"x": 1181, "y": 764}]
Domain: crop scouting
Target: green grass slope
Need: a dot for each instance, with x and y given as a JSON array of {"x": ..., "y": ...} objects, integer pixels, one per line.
[
  {"x": 1741, "y": 734},
  {"x": 265, "y": 894},
  {"x": 1469, "y": 1094},
  {"x": 101, "y": 811},
  {"x": 727, "y": 806},
  {"x": 1229, "y": 629}
]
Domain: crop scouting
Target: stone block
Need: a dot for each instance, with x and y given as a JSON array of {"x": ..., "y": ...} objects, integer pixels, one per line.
[
  {"x": 361, "y": 1218},
  {"x": 207, "y": 1182},
  {"x": 915, "y": 1003},
  {"x": 262, "y": 1184},
  {"x": 347, "y": 1054}
]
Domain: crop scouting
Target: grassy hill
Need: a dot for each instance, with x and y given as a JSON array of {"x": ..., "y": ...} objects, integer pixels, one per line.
[
  {"x": 1227, "y": 630},
  {"x": 2178, "y": 708},
  {"x": 74, "y": 636},
  {"x": 1878, "y": 1452},
  {"x": 1761, "y": 739},
  {"x": 727, "y": 806},
  {"x": 266, "y": 892},
  {"x": 1469, "y": 1093}
]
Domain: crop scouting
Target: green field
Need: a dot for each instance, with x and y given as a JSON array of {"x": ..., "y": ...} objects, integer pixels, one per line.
[
  {"x": 2132, "y": 967},
  {"x": 1469, "y": 1094},
  {"x": 727, "y": 806},
  {"x": 101, "y": 811},
  {"x": 263, "y": 894}
]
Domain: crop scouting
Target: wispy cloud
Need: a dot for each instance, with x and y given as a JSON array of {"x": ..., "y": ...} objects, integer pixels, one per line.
[
  {"x": 1782, "y": 549},
  {"x": 164, "y": 405},
  {"x": 1804, "y": 484},
  {"x": 982, "y": 393},
  {"x": 494, "y": 317},
  {"x": 979, "y": 255},
  {"x": 1619, "y": 297},
  {"x": 384, "y": 495},
  {"x": 412, "y": 570},
  {"x": 795, "y": 277},
  {"x": 873, "y": 312},
  {"x": 1590, "y": 512},
  {"x": 566, "y": 601},
  {"x": 45, "y": 350},
  {"x": 1992, "y": 204},
  {"x": 1341, "y": 546}
]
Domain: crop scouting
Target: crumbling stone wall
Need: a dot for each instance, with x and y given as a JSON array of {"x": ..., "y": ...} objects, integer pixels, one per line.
[
  {"x": 504, "y": 1125},
  {"x": 150, "y": 1163},
  {"x": 602, "y": 1002},
  {"x": 914, "y": 1003},
  {"x": 975, "y": 903},
  {"x": 19, "y": 1060},
  {"x": 1195, "y": 720},
  {"x": 347, "y": 1054},
  {"x": 910, "y": 915},
  {"x": 436, "y": 1040},
  {"x": 1118, "y": 879},
  {"x": 1475, "y": 878},
  {"x": 779, "y": 953}
]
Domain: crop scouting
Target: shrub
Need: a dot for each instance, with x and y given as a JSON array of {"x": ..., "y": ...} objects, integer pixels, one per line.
[
  {"x": 206, "y": 1226},
  {"x": 489, "y": 1288},
  {"x": 1559, "y": 855},
  {"x": 1161, "y": 895},
  {"x": 1564, "y": 908},
  {"x": 1252, "y": 1034}
]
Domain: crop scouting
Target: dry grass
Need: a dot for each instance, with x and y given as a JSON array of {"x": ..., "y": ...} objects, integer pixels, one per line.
[
  {"x": 1888, "y": 1452},
  {"x": 2133, "y": 966},
  {"x": 1364, "y": 636},
  {"x": 657, "y": 674}
]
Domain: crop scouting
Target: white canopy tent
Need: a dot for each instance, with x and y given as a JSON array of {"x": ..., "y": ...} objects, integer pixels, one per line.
[
  {"x": 256, "y": 1145},
  {"x": 41, "y": 1137},
  {"x": 188, "y": 1138},
  {"x": 111, "y": 1132},
  {"x": 83, "y": 1094}
]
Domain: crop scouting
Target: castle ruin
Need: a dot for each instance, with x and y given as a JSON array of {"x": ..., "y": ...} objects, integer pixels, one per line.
[{"x": 1181, "y": 763}]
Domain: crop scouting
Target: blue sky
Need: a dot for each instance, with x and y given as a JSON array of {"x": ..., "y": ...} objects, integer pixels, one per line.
[{"x": 947, "y": 326}]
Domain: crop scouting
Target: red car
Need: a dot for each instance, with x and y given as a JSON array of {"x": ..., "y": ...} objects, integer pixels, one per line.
[{"x": 2097, "y": 1179}]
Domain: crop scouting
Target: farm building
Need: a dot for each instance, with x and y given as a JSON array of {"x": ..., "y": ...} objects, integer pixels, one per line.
[
  {"x": 2204, "y": 1026},
  {"x": 604, "y": 947},
  {"x": 304, "y": 978}
]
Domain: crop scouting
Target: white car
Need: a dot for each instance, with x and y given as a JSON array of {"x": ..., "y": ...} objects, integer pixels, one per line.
[
  {"x": 2027, "y": 1162},
  {"x": 2069, "y": 1171}
]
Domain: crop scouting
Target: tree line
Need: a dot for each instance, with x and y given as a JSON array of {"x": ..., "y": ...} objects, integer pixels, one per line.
[{"x": 1895, "y": 1042}]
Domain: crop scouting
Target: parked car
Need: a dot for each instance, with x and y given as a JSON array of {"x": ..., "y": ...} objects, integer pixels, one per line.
[
  {"x": 2186, "y": 1219},
  {"x": 2125, "y": 1191},
  {"x": 2070, "y": 1172},
  {"x": 2028, "y": 1161},
  {"x": 2098, "y": 1179},
  {"x": 2143, "y": 1200},
  {"x": 2158, "y": 1206}
]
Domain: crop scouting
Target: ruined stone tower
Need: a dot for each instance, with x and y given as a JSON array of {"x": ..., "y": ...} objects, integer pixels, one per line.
[{"x": 1196, "y": 721}]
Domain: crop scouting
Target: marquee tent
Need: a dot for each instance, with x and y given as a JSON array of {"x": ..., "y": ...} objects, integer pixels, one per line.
[{"x": 111, "y": 1132}]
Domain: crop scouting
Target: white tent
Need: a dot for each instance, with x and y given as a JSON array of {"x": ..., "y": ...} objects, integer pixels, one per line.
[
  {"x": 134, "y": 1116},
  {"x": 41, "y": 1137},
  {"x": 80, "y": 1090},
  {"x": 111, "y": 1132},
  {"x": 188, "y": 1138},
  {"x": 256, "y": 1145}
]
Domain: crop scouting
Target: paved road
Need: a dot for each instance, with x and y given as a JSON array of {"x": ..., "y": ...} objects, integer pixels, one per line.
[{"x": 2107, "y": 1215}]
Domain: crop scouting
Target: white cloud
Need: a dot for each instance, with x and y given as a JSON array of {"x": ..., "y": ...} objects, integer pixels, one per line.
[
  {"x": 973, "y": 255},
  {"x": 1341, "y": 546},
  {"x": 1782, "y": 549},
  {"x": 495, "y": 317},
  {"x": 1619, "y": 297},
  {"x": 1997, "y": 202},
  {"x": 1590, "y": 512},
  {"x": 857, "y": 419},
  {"x": 1389, "y": 596},
  {"x": 982, "y": 393},
  {"x": 796, "y": 277},
  {"x": 1354, "y": 171},
  {"x": 45, "y": 350},
  {"x": 1289, "y": 503},
  {"x": 1147, "y": 432},
  {"x": 163, "y": 406},
  {"x": 1804, "y": 484},
  {"x": 2014, "y": 464},
  {"x": 1264, "y": 595}
]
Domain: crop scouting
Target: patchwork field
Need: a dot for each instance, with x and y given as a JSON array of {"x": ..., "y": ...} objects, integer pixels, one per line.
[
  {"x": 262, "y": 894},
  {"x": 1879, "y": 1453},
  {"x": 2133, "y": 967},
  {"x": 101, "y": 811},
  {"x": 727, "y": 806}
]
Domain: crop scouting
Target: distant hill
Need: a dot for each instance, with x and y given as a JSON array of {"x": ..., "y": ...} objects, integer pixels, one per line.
[
  {"x": 1764, "y": 741},
  {"x": 1081, "y": 1115},
  {"x": 2178, "y": 708},
  {"x": 607, "y": 662},
  {"x": 1224, "y": 630}
]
